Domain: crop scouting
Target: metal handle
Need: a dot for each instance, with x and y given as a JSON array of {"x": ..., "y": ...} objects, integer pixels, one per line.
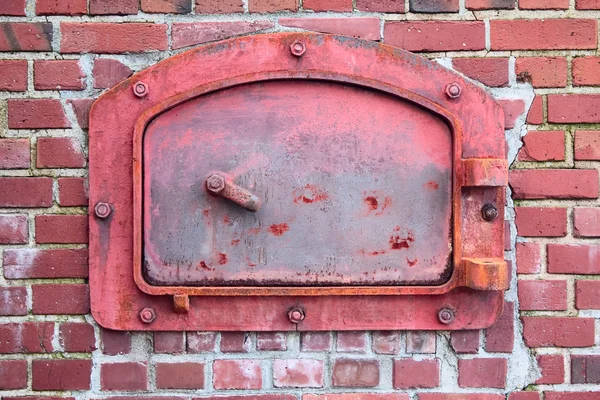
[{"x": 217, "y": 184}]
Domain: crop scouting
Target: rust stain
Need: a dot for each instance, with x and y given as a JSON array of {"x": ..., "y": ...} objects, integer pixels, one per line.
[
  {"x": 205, "y": 213},
  {"x": 279, "y": 229},
  {"x": 222, "y": 258},
  {"x": 254, "y": 231},
  {"x": 412, "y": 263},
  {"x": 203, "y": 265},
  {"x": 226, "y": 219},
  {"x": 235, "y": 242},
  {"x": 309, "y": 194},
  {"x": 372, "y": 202},
  {"x": 433, "y": 185},
  {"x": 398, "y": 242}
]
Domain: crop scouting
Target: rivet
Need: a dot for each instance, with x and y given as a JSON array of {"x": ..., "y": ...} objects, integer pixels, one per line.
[
  {"x": 298, "y": 48},
  {"x": 489, "y": 212},
  {"x": 446, "y": 315},
  {"x": 102, "y": 210},
  {"x": 215, "y": 183},
  {"x": 140, "y": 89},
  {"x": 453, "y": 90},
  {"x": 147, "y": 315},
  {"x": 296, "y": 315}
]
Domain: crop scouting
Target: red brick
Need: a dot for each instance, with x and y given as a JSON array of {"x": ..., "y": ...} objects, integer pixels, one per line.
[
  {"x": 108, "y": 72},
  {"x": 13, "y": 75},
  {"x": 552, "y": 368},
  {"x": 586, "y": 71},
  {"x": 41, "y": 263},
  {"x": 237, "y": 374},
  {"x": 13, "y": 300},
  {"x": 386, "y": 342},
  {"x": 435, "y": 35},
  {"x": 586, "y": 295},
  {"x": 328, "y": 5},
  {"x": 586, "y": 222},
  {"x": 61, "y": 7},
  {"x": 544, "y": 34},
  {"x": 529, "y": 257},
  {"x": 77, "y": 337},
  {"x": 352, "y": 342},
  {"x": 235, "y": 342},
  {"x": 25, "y": 36},
  {"x": 384, "y": 6},
  {"x": 409, "y": 374},
  {"x": 193, "y": 33},
  {"x": 489, "y": 71},
  {"x": 68, "y": 298},
  {"x": 268, "y": 6},
  {"x": 574, "y": 108},
  {"x": 13, "y": 7},
  {"x": 543, "y": 146},
  {"x": 542, "y": 72},
  {"x": 119, "y": 7},
  {"x": 461, "y": 396},
  {"x": 571, "y": 395},
  {"x": 299, "y": 373},
  {"x": 81, "y": 108},
  {"x": 420, "y": 342},
  {"x": 169, "y": 342},
  {"x": 167, "y": 6},
  {"x": 72, "y": 192},
  {"x": 180, "y": 375},
  {"x": 356, "y": 396},
  {"x": 36, "y": 114},
  {"x": 355, "y": 373},
  {"x": 434, "y": 6},
  {"x": 201, "y": 342},
  {"x": 543, "y": 295},
  {"x": 587, "y": 145},
  {"x": 13, "y": 374},
  {"x": 219, "y": 6},
  {"x": 115, "y": 342},
  {"x": 57, "y": 75},
  {"x": 61, "y": 374},
  {"x": 482, "y": 373},
  {"x": 587, "y": 5},
  {"x": 271, "y": 341},
  {"x": 524, "y": 396},
  {"x": 61, "y": 229},
  {"x": 490, "y": 4},
  {"x": 112, "y": 38},
  {"x": 558, "y": 331},
  {"x": 26, "y": 337},
  {"x": 14, "y": 229},
  {"x": 535, "y": 116},
  {"x": 26, "y": 192},
  {"x": 364, "y": 28},
  {"x": 544, "y": 222},
  {"x": 14, "y": 153},
  {"x": 465, "y": 341},
  {"x": 499, "y": 338},
  {"x": 315, "y": 341},
  {"x": 126, "y": 376},
  {"x": 543, "y": 4},
  {"x": 573, "y": 259},
  {"x": 512, "y": 110},
  {"x": 585, "y": 368}
]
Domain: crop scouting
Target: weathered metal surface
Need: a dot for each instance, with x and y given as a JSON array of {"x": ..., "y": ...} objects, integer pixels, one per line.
[{"x": 472, "y": 150}]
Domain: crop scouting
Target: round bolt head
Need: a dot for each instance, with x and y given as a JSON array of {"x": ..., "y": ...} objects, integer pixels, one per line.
[
  {"x": 140, "y": 89},
  {"x": 296, "y": 315},
  {"x": 215, "y": 183},
  {"x": 147, "y": 315},
  {"x": 102, "y": 210},
  {"x": 453, "y": 90},
  {"x": 489, "y": 212},
  {"x": 446, "y": 315},
  {"x": 298, "y": 48}
]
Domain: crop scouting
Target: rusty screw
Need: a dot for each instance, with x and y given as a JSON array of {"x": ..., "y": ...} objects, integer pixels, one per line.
[
  {"x": 215, "y": 183},
  {"x": 296, "y": 315},
  {"x": 140, "y": 89},
  {"x": 453, "y": 90},
  {"x": 102, "y": 210},
  {"x": 298, "y": 48},
  {"x": 489, "y": 212},
  {"x": 147, "y": 315},
  {"x": 446, "y": 315}
]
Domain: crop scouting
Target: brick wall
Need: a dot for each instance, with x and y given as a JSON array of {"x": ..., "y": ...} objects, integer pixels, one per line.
[{"x": 538, "y": 57}]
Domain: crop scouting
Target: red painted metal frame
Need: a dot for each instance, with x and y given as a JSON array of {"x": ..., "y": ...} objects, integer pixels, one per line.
[{"x": 118, "y": 120}]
